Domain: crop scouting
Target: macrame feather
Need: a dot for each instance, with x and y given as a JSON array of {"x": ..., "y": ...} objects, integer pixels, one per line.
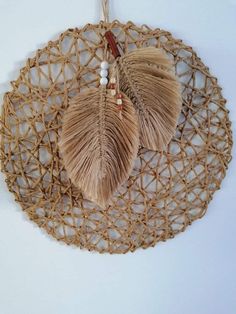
[
  {"x": 146, "y": 77},
  {"x": 97, "y": 146}
]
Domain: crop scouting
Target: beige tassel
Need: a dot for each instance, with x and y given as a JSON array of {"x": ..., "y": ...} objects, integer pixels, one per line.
[
  {"x": 146, "y": 77},
  {"x": 97, "y": 146}
]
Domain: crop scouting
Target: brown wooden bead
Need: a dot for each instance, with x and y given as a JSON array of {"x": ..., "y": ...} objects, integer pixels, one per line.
[{"x": 112, "y": 86}]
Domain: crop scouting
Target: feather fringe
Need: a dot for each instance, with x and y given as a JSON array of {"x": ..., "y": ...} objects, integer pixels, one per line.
[
  {"x": 98, "y": 147},
  {"x": 146, "y": 77}
]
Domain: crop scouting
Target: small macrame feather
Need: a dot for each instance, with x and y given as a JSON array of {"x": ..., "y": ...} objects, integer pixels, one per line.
[
  {"x": 146, "y": 77},
  {"x": 97, "y": 145}
]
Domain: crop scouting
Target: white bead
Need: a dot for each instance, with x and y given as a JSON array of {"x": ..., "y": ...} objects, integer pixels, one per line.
[
  {"x": 119, "y": 101},
  {"x": 113, "y": 80},
  {"x": 113, "y": 92},
  {"x": 103, "y": 73},
  {"x": 103, "y": 81},
  {"x": 104, "y": 65}
]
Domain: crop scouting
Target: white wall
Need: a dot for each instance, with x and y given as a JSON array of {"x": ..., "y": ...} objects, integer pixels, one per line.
[{"x": 194, "y": 273}]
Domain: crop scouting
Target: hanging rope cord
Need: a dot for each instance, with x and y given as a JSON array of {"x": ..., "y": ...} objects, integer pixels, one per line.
[
  {"x": 105, "y": 18},
  {"x": 105, "y": 11}
]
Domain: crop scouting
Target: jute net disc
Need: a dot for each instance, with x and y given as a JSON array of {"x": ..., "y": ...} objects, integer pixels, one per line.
[{"x": 166, "y": 191}]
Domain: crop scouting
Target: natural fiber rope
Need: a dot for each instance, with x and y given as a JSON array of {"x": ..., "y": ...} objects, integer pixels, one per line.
[
  {"x": 165, "y": 192},
  {"x": 105, "y": 11}
]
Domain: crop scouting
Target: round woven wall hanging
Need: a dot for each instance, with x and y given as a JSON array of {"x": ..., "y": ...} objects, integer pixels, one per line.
[{"x": 165, "y": 192}]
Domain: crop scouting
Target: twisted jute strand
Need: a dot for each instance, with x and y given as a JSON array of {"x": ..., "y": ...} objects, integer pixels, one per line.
[{"x": 105, "y": 11}]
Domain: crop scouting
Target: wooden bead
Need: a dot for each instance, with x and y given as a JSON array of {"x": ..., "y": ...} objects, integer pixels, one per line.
[
  {"x": 103, "y": 81},
  {"x": 103, "y": 73},
  {"x": 119, "y": 101},
  {"x": 119, "y": 96},
  {"x": 104, "y": 65},
  {"x": 112, "y": 86}
]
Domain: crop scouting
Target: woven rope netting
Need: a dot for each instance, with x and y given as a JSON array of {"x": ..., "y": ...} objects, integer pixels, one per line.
[{"x": 165, "y": 192}]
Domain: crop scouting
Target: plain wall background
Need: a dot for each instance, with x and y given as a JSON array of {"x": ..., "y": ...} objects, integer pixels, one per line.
[{"x": 191, "y": 274}]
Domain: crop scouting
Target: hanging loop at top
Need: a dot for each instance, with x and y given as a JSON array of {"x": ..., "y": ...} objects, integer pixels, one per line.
[{"x": 105, "y": 11}]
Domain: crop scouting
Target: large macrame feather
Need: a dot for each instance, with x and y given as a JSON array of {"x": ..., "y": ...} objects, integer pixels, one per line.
[
  {"x": 146, "y": 77},
  {"x": 97, "y": 146}
]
